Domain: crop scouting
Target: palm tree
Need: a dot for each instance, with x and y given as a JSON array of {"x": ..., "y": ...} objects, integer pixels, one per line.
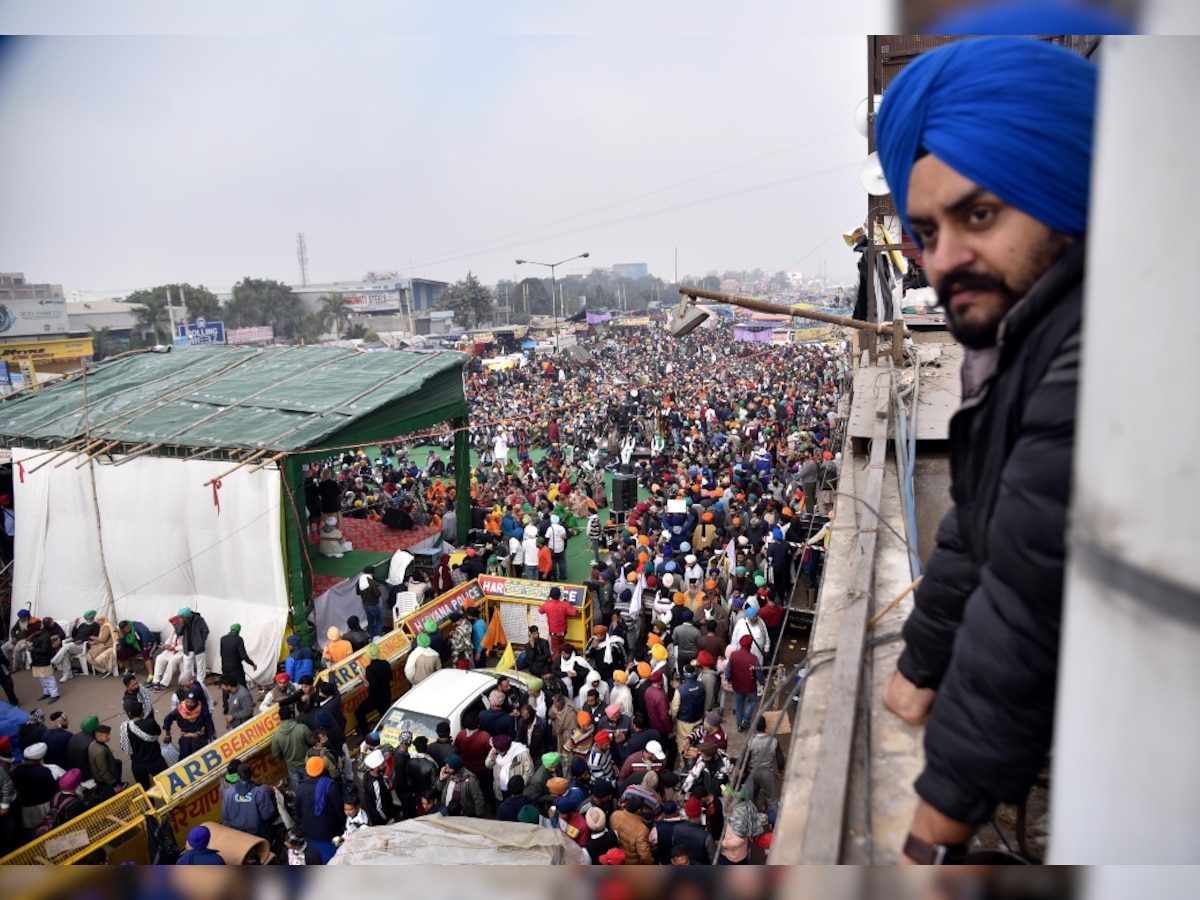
[
  {"x": 152, "y": 313},
  {"x": 335, "y": 310},
  {"x": 101, "y": 339}
]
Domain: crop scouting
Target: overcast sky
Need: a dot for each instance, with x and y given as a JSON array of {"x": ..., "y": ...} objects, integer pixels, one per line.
[{"x": 129, "y": 161}]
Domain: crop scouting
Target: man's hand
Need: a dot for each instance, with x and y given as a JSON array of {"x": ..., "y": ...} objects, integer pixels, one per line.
[
  {"x": 906, "y": 700},
  {"x": 933, "y": 827}
]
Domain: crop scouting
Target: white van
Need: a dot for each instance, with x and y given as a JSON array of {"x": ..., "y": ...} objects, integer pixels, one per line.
[{"x": 446, "y": 694}]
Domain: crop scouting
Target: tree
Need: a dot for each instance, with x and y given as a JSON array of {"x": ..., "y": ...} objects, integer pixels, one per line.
[
  {"x": 470, "y": 300},
  {"x": 201, "y": 303},
  {"x": 309, "y": 328},
  {"x": 599, "y": 298},
  {"x": 189, "y": 302},
  {"x": 102, "y": 342},
  {"x": 264, "y": 301},
  {"x": 536, "y": 302},
  {"x": 335, "y": 310},
  {"x": 151, "y": 311}
]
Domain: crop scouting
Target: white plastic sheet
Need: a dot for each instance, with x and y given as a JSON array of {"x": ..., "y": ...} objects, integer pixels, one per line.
[
  {"x": 459, "y": 841},
  {"x": 164, "y": 546},
  {"x": 335, "y": 606}
]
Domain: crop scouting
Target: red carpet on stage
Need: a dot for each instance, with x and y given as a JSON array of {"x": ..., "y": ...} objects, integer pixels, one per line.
[
  {"x": 368, "y": 537},
  {"x": 376, "y": 537}
]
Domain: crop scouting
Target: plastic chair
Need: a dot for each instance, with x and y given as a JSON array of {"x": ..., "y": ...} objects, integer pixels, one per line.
[{"x": 406, "y": 604}]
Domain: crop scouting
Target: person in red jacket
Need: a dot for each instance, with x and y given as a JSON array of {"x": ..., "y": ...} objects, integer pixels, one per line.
[
  {"x": 771, "y": 613},
  {"x": 658, "y": 711},
  {"x": 545, "y": 560},
  {"x": 745, "y": 685},
  {"x": 557, "y": 611},
  {"x": 473, "y": 745}
]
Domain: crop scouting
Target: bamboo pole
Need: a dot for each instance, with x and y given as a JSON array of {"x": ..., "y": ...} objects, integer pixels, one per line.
[
  {"x": 106, "y": 446},
  {"x": 136, "y": 452},
  {"x": 55, "y": 452},
  {"x": 248, "y": 459},
  {"x": 274, "y": 459},
  {"x": 777, "y": 310},
  {"x": 75, "y": 453},
  {"x": 894, "y": 602}
]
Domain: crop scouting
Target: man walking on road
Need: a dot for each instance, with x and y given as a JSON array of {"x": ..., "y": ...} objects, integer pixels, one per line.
[
  {"x": 193, "y": 638},
  {"x": 233, "y": 655}
]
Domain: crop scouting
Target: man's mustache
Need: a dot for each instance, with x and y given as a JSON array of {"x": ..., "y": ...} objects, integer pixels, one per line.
[{"x": 969, "y": 281}]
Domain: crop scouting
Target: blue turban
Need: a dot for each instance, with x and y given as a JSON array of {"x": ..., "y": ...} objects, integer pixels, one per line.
[
  {"x": 1013, "y": 115},
  {"x": 199, "y": 837},
  {"x": 1031, "y": 17}
]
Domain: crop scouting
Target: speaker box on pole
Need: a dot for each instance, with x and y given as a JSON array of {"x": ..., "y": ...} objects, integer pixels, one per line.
[{"x": 624, "y": 493}]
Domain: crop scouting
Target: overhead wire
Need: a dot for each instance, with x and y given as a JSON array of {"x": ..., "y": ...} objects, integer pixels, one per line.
[
  {"x": 642, "y": 215},
  {"x": 484, "y": 245}
]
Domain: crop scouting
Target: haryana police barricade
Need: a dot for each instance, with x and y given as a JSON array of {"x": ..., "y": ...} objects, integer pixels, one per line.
[
  {"x": 519, "y": 599},
  {"x": 191, "y": 789}
]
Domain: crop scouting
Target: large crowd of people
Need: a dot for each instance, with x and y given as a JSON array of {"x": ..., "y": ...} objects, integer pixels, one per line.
[{"x": 734, "y": 447}]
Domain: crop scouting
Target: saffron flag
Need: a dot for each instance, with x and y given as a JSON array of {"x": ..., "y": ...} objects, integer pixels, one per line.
[
  {"x": 507, "y": 661},
  {"x": 494, "y": 636}
]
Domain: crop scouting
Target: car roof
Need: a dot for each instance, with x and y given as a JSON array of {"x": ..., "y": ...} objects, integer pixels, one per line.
[{"x": 444, "y": 690}]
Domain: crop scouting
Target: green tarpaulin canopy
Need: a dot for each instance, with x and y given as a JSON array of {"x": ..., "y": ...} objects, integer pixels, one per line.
[
  {"x": 216, "y": 401},
  {"x": 279, "y": 399}
]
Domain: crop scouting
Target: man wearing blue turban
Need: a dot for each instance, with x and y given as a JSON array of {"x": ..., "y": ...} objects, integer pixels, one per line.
[{"x": 987, "y": 145}]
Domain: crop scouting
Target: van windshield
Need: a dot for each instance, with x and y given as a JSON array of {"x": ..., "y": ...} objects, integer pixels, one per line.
[{"x": 398, "y": 720}]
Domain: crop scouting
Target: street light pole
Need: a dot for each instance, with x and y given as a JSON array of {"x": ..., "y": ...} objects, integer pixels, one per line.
[{"x": 553, "y": 288}]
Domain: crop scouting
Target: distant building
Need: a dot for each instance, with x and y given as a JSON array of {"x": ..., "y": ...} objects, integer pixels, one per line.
[
  {"x": 395, "y": 297},
  {"x": 34, "y": 329},
  {"x": 14, "y": 286},
  {"x": 119, "y": 317},
  {"x": 730, "y": 286},
  {"x": 435, "y": 323},
  {"x": 631, "y": 270}
]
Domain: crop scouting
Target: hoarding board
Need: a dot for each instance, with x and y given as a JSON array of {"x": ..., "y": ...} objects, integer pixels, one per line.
[
  {"x": 34, "y": 318},
  {"x": 373, "y": 301},
  {"x": 263, "y": 334},
  {"x": 202, "y": 332},
  {"x": 43, "y": 351}
]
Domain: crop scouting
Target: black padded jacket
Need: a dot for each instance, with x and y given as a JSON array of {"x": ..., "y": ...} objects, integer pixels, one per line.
[{"x": 985, "y": 628}]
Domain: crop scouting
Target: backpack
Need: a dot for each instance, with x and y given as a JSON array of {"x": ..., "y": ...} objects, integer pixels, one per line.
[{"x": 62, "y": 800}]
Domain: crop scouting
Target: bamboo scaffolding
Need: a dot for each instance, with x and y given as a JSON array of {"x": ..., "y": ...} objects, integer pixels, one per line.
[
  {"x": 248, "y": 459},
  {"x": 107, "y": 445}
]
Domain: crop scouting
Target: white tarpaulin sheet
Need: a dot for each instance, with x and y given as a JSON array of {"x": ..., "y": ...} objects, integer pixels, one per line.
[
  {"x": 162, "y": 542},
  {"x": 459, "y": 841},
  {"x": 335, "y": 606}
]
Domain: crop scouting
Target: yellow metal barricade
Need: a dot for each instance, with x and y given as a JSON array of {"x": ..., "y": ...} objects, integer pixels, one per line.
[{"x": 104, "y": 827}]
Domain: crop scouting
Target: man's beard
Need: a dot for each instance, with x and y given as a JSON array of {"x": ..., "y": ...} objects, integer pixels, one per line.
[
  {"x": 980, "y": 335},
  {"x": 975, "y": 335}
]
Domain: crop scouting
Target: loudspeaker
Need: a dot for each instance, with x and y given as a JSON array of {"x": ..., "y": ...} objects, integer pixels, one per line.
[
  {"x": 398, "y": 519},
  {"x": 624, "y": 493}
]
